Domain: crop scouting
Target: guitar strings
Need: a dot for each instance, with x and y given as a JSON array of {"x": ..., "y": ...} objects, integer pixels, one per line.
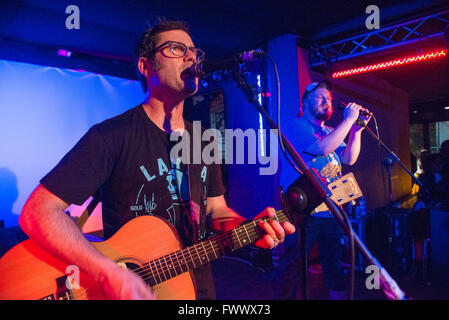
[
  {"x": 213, "y": 245},
  {"x": 144, "y": 273},
  {"x": 211, "y": 248},
  {"x": 141, "y": 271},
  {"x": 147, "y": 273}
]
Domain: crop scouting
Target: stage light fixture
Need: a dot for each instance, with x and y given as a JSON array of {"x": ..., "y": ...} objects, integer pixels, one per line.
[
  {"x": 392, "y": 63},
  {"x": 64, "y": 53}
]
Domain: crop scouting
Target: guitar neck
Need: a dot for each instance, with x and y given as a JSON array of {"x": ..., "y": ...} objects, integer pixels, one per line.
[{"x": 178, "y": 262}]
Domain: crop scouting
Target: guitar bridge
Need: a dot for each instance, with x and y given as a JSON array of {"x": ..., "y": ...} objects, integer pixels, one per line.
[{"x": 63, "y": 290}]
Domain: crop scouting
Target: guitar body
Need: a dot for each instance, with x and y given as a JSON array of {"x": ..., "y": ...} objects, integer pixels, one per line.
[{"x": 29, "y": 273}]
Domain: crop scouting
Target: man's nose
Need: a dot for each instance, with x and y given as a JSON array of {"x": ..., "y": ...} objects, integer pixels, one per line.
[
  {"x": 190, "y": 55},
  {"x": 327, "y": 102}
]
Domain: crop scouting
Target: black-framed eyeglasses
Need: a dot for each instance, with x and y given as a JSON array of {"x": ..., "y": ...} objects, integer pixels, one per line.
[{"x": 179, "y": 49}]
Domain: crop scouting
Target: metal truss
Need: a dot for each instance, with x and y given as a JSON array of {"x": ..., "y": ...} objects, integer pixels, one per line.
[{"x": 426, "y": 28}]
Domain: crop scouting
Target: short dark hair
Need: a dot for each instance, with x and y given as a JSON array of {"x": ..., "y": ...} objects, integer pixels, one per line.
[{"x": 147, "y": 42}]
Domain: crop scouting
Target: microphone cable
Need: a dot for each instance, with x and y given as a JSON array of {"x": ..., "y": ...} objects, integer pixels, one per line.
[{"x": 278, "y": 112}]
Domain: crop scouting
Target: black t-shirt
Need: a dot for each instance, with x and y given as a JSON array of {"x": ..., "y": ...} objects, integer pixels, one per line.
[{"x": 127, "y": 160}]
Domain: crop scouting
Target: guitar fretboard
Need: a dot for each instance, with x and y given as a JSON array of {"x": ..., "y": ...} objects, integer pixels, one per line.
[{"x": 178, "y": 262}]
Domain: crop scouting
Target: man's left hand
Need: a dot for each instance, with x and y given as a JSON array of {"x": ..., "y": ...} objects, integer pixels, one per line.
[
  {"x": 364, "y": 118},
  {"x": 275, "y": 231}
]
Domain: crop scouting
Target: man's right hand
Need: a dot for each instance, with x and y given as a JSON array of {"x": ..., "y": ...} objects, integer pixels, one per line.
[
  {"x": 122, "y": 284},
  {"x": 352, "y": 111}
]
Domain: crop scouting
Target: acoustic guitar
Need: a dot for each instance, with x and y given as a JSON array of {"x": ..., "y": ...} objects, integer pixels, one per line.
[{"x": 148, "y": 245}]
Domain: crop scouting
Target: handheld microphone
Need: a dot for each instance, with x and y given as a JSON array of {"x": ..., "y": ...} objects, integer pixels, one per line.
[
  {"x": 342, "y": 106},
  {"x": 202, "y": 68}
]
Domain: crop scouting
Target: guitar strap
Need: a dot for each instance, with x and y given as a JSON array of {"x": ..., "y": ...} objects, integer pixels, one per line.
[
  {"x": 197, "y": 180},
  {"x": 196, "y": 201}
]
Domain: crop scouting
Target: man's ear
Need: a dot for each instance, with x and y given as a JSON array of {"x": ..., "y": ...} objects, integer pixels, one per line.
[{"x": 145, "y": 66}]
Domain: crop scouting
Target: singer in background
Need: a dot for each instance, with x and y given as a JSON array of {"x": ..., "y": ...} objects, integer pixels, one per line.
[
  {"x": 127, "y": 159},
  {"x": 324, "y": 149}
]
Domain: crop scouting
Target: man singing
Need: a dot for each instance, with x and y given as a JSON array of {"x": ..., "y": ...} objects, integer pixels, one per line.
[
  {"x": 127, "y": 159},
  {"x": 322, "y": 148}
]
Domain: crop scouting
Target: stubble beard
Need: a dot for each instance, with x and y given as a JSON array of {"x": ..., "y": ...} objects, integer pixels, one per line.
[
  {"x": 322, "y": 116},
  {"x": 178, "y": 87}
]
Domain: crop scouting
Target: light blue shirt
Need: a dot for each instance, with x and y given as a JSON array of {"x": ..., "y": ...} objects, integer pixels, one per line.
[{"x": 302, "y": 133}]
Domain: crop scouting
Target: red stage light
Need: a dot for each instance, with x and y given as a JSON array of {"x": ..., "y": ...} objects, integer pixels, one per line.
[{"x": 391, "y": 63}]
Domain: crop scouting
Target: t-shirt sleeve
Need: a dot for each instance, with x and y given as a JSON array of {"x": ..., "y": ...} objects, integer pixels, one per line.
[
  {"x": 215, "y": 186},
  {"x": 82, "y": 170},
  {"x": 341, "y": 147},
  {"x": 301, "y": 136}
]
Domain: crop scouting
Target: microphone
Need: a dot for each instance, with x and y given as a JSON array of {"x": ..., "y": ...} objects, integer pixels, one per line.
[
  {"x": 342, "y": 106},
  {"x": 202, "y": 68}
]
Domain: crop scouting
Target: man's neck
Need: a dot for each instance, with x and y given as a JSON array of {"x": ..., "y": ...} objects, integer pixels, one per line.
[
  {"x": 311, "y": 118},
  {"x": 167, "y": 116}
]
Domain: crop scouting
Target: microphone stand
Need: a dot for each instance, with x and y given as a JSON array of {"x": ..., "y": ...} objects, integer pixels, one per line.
[
  {"x": 387, "y": 163},
  {"x": 389, "y": 286},
  {"x": 393, "y": 158}
]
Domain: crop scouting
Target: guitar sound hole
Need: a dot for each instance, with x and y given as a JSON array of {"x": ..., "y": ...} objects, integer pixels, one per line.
[
  {"x": 130, "y": 263},
  {"x": 132, "y": 266}
]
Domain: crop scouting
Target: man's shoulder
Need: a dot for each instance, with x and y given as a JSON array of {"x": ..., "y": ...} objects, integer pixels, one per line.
[
  {"x": 297, "y": 123},
  {"x": 117, "y": 123}
]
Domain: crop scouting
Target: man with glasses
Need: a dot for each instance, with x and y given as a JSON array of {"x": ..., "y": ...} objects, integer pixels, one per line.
[
  {"x": 322, "y": 148},
  {"x": 127, "y": 160}
]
